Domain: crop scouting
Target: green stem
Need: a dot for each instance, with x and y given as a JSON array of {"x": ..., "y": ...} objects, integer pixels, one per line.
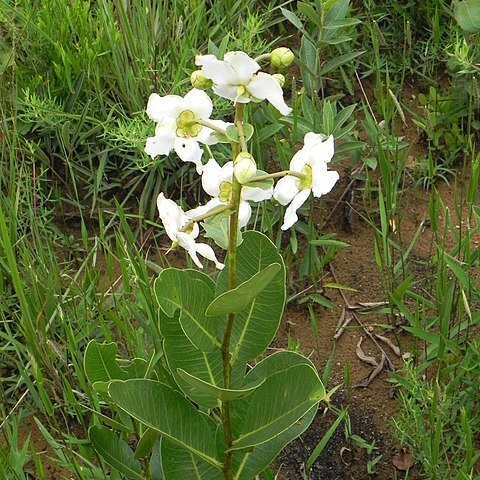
[
  {"x": 211, "y": 213},
  {"x": 210, "y": 125},
  {"x": 232, "y": 283},
  {"x": 241, "y": 134},
  {"x": 264, "y": 56},
  {"x": 283, "y": 173}
]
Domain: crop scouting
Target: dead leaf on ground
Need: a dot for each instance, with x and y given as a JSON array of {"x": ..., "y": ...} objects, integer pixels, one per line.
[
  {"x": 402, "y": 460},
  {"x": 388, "y": 342},
  {"x": 361, "y": 354},
  {"x": 345, "y": 318},
  {"x": 375, "y": 372}
]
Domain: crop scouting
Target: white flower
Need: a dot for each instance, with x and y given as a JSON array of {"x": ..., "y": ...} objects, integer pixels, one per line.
[
  {"x": 178, "y": 126},
  {"x": 311, "y": 161},
  {"x": 217, "y": 182},
  {"x": 174, "y": 219},
  {"x": 236, "y": 78}
]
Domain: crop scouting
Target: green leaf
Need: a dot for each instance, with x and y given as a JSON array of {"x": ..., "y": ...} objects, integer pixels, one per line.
[
  {"x": 457, "y": 268},
  {"x": 267, "y": 132},
  {"x": 179, "y": 464},
  {"x": 232, "y": 133},
  {"x": 115, "y": 451},
  {"x": 222, "y": 394},
  {"x": 146, "y": 443},
  {"x": 309, "y": 65},
  {"x": 216, "y": 228},
  {"x": 278, "y": 403},
  {"x": 137, "y": 368},
  {"x": 339, "y": 286},
  {"x": 467, "y": 14},
  {"x": 255, "y": 327},
  {"x": 249, "y": 463},
  {"x": 100, "y": 363},
  {"x": 329, "y": 242},
  {"x": 190, "y": 292},
  {"x": 320, "y": 299},
  {"x": 205, "y": 365},
  {"x": 294, "y": 20},
  {"x": 276, "y": 363},
  {"x": 340, "y": 60},
  {"x": 168, "y": 412},
  {"x": 236, "y": 300}
]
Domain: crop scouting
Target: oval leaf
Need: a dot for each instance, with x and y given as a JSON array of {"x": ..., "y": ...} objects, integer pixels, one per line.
[
  {"x": 146, "y": 443},
  {"x": 179, "y": 464},
  {"x": 168, "y": 412},
  {"x": 115, "y": 451},
  {"x": 467, "y": 14},
  {"x": 254, "y": 328},
  {"x": 278, "y": 403},
  {"x": 232, "y": 132},
  {"x": 222, "y": 394},
  {"x": 100, "y": 363},
  {"x": 234, "y": 301},
  {"x": 190, "y": 292},
  {"x": 250, "y": 462}
]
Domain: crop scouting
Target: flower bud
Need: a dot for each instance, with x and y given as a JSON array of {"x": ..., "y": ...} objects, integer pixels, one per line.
[
  {"x": 244, "y": 167},
  {"x": 279, "y": 78},
  {"x": 282, "y": 57},
  {"x": 200, "y": 81}
]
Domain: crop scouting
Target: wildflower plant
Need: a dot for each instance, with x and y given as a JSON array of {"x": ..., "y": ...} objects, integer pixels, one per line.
[{"x": 210, "y": 404}]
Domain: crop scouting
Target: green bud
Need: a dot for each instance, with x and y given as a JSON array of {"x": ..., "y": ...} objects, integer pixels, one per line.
[
  {"x": 200, "y": 81},
  {"x": 244, "y": 167},
  {"x": 282, "y": 57},
  {"x": 279, "y": 78}
]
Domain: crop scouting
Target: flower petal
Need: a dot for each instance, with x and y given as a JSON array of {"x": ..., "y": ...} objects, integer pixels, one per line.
[
  {"x": 156, "y": 146},
  {"x": 286, "y": 189},
  {"x": 291, "y": 212},
  {"x": 244, "y": 66},
  {"x": 207, "y": 251},
  {"x": 168, "y": 106},
  {"x": 216, "y": 70},
  {"x": 226, "y": 174},
  {"x": 154, "y": 107},
  {"x": 199, "y": 103},
  {"x": 189, "y": 151},
  {"x": 204, "y": 209},
  {"x": 256, "y": 194},
  {"x": 211, "y": 177},
  {"x": 318, "y": 149},
  {"x": 264, "y": 86},
  {"x": 300, "y": 159},
  {"x": 244, "y": 214},
  {"x": 172, "y": 216},
  {"x": 323, "y": 182},
  {"x": 229, "y": 91},
  {"x": 188, "y": 243}
]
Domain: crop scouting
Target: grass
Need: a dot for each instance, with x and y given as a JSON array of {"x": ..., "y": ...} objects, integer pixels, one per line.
[{"x": 78, "y": 227}]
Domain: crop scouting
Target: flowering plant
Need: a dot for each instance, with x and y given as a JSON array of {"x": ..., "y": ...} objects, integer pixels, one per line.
[{"x": 209, "y": 404}]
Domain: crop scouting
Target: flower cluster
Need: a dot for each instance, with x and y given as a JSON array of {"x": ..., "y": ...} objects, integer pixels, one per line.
[{"x": 184, "y": 122}]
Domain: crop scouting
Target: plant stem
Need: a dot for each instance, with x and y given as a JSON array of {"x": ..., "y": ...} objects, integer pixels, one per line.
[
  {"x": 210, "y": 125},
  {"x": 211, "y": 213},
  {"x": 232, "y": 283},
  {"x": 283, "y": 173}
]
